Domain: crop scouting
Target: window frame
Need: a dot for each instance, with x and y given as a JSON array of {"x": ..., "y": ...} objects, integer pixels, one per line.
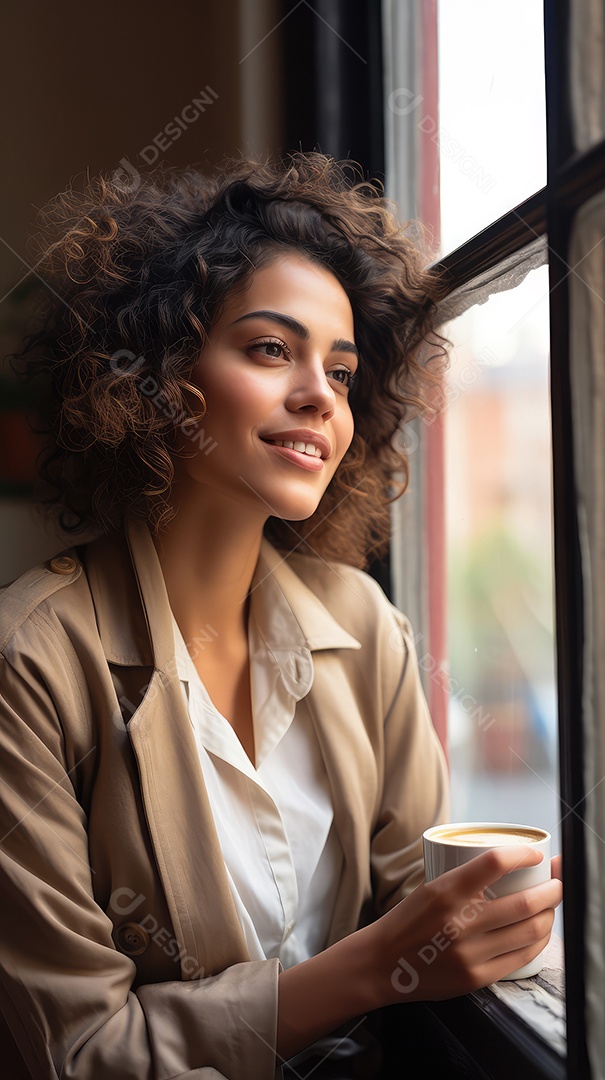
[{"x": 572, "y": 179}]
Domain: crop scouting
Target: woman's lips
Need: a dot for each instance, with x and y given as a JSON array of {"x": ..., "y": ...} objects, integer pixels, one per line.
[{"x": 304, "y": 440}]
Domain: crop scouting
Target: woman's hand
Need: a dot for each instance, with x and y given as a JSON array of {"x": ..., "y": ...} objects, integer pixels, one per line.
[
  {"x": 451, "y": 935},
  {"x": 447, "y": 938}
]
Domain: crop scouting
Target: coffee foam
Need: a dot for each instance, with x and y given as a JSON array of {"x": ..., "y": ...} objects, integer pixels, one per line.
[{"x": 489, "y": 837}]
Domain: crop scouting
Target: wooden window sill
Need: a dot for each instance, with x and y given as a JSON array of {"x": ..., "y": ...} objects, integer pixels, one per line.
[{"x": 540, "y": 1001}]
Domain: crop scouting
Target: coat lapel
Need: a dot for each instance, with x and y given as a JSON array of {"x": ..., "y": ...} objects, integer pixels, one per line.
[
  {"x": 182, "y": 829},
  {"x": 133, "y": 613}
]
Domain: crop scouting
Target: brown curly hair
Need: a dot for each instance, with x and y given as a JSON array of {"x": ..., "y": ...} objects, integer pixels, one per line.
[{"x": 137, "y": 277}]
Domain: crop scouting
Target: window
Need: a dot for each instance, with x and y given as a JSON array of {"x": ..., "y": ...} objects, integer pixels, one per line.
[{"x": 485, "y": 467}]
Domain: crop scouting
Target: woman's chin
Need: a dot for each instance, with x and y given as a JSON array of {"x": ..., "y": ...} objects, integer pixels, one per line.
[{"x": 296, "y": 511}]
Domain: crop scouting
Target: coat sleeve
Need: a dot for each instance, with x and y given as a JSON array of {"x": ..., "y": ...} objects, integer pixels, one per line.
[
  {"x": 415, "y": 787},
  {"x": 65, "y": 990}
]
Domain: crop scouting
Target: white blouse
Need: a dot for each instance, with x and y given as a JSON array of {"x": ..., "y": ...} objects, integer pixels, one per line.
[{"x": 275, "y": 821}]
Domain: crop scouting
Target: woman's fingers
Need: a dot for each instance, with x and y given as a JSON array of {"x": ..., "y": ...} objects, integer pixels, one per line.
[
  {"x": 505, "y": 939},
  {"x": 484, "y": 870},
  {"x": 497, "y": 967},
  {"x": 519, "y": 906},
  {"x": 556, "y": 866},
  {"x": 474, "y": 879}
]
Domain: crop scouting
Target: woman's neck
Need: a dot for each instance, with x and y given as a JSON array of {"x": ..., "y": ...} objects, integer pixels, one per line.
[{"x": 208, "y": 554}]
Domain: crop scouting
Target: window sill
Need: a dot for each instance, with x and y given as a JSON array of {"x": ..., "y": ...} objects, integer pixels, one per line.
[
  {"x": 512, "y": 1028},
  {"x": 540, "y": 1002}
]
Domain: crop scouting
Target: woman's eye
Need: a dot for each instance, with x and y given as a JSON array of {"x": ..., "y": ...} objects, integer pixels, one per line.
[
  {"x": 344, "y": 376},
  {"x": 272, "y": 349}
]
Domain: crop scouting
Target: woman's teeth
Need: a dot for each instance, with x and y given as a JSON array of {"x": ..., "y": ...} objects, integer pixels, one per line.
[{"x": 303, "y": 448}]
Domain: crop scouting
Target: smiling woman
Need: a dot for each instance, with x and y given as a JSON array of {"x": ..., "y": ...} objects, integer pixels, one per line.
[{"x": 216, "y": 758}]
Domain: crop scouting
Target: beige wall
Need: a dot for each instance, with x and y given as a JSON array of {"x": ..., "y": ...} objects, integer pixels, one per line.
[{"x": 86, "y": 85}]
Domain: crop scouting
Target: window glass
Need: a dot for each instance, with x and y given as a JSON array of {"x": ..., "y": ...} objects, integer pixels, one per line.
[
  {"x": 502, "y": 722},
  {"x": 491, "y": 130}
]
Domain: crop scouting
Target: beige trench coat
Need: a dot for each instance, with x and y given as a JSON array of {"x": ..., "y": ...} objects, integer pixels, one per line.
[{"x": 122, "y": 955}]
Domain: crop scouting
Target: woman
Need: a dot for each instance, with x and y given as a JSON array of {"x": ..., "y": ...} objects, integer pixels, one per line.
[{"x": 217, "y": 757}]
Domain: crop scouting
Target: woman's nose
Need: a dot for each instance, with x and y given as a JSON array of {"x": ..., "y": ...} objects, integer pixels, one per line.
[{"x": 311, "y": 390}]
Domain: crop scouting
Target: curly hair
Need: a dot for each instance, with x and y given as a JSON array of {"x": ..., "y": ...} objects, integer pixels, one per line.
[{"x": 137, "y": 277}]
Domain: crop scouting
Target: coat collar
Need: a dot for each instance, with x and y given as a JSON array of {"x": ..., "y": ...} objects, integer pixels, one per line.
[
  {"x": 318, "y": 627},
  {"x": 133, "y": 610}
]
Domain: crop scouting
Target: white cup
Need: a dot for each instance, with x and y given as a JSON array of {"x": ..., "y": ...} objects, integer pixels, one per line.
[{"x": 448, "y": 846}]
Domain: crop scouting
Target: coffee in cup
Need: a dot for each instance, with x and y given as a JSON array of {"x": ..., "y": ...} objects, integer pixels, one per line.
[
  {"x": 451, "y": 845},
  {"x": 488, "y": 837}
]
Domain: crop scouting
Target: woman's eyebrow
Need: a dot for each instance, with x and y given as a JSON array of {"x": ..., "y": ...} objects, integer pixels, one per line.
[
  {"x": 298, "y": 328},
  {"x": 342, "y": 345}
]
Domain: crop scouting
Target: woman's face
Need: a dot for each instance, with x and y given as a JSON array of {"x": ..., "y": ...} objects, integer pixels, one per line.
[{"x": 276, "y": 373}]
